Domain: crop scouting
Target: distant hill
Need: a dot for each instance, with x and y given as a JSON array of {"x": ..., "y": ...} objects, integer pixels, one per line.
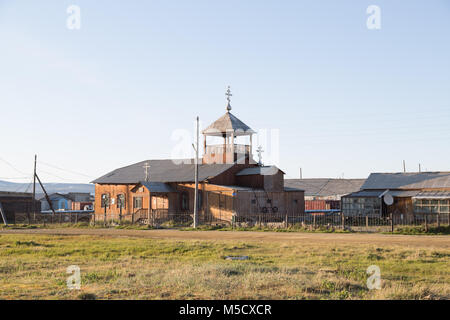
[{"x": 49, "y": 187}]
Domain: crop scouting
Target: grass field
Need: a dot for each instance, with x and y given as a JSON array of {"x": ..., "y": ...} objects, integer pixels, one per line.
[{"x": 124, "y": 266}]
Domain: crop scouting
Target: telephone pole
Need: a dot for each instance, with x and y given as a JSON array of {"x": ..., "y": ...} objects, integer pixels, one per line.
[
  {"x": 196, "y": 179},
  {"x": 34, "y": 188}
]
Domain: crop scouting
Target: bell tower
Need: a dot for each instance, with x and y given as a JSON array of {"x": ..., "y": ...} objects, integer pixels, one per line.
[{"x": 230, "y": 128}]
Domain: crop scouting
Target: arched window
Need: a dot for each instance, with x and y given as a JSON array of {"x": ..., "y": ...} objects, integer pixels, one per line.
[
  {"x": 184, "y": 201},
  {"x": 105, "y": 200},
  {"x": 121, "y": 201}
]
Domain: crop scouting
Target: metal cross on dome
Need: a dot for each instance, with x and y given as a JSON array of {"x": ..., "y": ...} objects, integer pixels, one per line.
[
  {"x": 259, "y": 151},
  {"x": 146, "y": 167},
  {"x": 228, "y": 94}
]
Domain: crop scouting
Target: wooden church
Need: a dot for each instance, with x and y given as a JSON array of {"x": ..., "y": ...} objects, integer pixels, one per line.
[{"x": 231, "y": 184}]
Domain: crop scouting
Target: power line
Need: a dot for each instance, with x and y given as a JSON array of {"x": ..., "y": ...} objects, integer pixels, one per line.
[
  {"x": 14, "y": 178},
  {"x": 56, "y": 176},
  {"x": 10, "y": 165},
  {"x": 59, "y": 168}
]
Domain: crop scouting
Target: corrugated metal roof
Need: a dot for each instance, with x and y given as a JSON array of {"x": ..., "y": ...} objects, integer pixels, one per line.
[
  {"x": 378, "y": 193},
  {"x": 157, "y": 187},
  {"x": 418, "y": 180},
  {"x": 402, "y": 194},
  {"x": 267, "y": 170},
  {"x": 227, "y": 123},
  {"x": 433, "y": 195},
  {"x": 325, "y": 187},
  {"x": 163, "y": 171},
  {"x": 15, "y": 194},
  {"x": 366, "y": 194}
]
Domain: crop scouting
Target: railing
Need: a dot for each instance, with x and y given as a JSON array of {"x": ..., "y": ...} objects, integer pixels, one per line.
[
  {"x": 162, "y": 218},
  {"x": 50, "y": 218},
  {"x": 227, "y": 148}
]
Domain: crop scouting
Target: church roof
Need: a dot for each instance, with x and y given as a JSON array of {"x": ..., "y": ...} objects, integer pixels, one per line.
[
  {"x": 226, "y": 124},
  {"x": 163, "y": 171}
]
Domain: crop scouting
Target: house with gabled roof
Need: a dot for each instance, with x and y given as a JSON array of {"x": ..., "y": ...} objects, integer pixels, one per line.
[
  {"x": 404, "y": 194},
  {"x": 324, "y": 193},
  {"x": 231, "y": 182}
]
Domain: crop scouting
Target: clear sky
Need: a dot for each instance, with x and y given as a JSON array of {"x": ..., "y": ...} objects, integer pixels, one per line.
[{"x": 346, "y": 100}]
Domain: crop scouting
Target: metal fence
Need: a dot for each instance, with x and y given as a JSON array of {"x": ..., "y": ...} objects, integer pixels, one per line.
[
  {"x": 163, "y": 219},
  {"x": 50, "y": 218}
]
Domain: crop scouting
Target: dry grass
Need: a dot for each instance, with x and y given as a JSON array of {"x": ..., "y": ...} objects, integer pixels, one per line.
[{"x": 34, "y": 267}]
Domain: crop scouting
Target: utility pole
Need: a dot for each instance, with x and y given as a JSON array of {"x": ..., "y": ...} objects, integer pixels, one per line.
[
  {"x": 196, "y": 178},
  {"x": 420, "y": 168},
  {"x": 34, "y": 189},
  {"x": 404, "y": 166},
  {"x": 301, "y": 174}
]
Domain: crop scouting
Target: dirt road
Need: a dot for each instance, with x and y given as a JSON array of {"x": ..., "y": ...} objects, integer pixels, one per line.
[{"x": 337, "y": 238}]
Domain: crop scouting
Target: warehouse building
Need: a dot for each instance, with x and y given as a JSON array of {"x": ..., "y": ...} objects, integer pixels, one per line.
[{"x": 406, "y": 194}]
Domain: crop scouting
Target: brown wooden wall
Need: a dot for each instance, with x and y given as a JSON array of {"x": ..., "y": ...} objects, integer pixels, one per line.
[
  {"x": 229, "y": 178},
  {"x": 217, "y": 202},
  {"x": 292, "y": 203}
]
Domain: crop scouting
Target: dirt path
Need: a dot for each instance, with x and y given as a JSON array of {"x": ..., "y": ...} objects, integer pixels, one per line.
[{"x": 354, "y": 239}]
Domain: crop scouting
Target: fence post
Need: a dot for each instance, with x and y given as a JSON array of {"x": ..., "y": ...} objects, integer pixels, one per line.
[
  {"x": 132, "y": 218},
  {"x": 76, "y": 218},
  {"x": 314, "y": 221},
  {"x": 426, "y": 223},
  {"x": 343, "y": 221},
  {"x": 367, "y": 221},
  {"x": 286, "y": 221},
  {"x": 392, "y": 222},
  {"x": 438, "y": 220}
]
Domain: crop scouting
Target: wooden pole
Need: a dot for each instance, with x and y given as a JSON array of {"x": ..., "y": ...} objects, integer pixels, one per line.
[
  {"x": 286, "y": 220},
  {"x": 34, "y": 189},
  {"x": 5, "y": 222},
  {"x": 392, "y": 223},
  {"x": 104, "y": 219},
  {"x": 46, "y": 195},
  {"x": 196, "y": 179}
]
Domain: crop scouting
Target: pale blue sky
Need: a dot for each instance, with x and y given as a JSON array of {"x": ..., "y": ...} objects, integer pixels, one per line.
[{"x": 346, "y": 100}]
